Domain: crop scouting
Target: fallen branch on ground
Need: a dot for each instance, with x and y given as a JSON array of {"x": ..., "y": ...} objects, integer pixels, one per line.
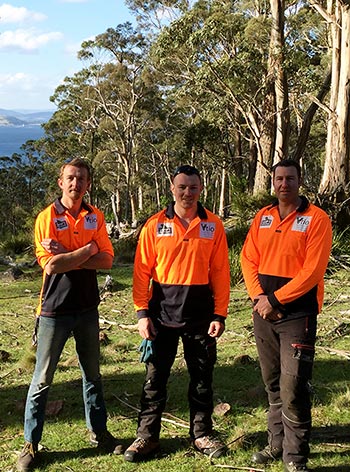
[{"x": 178, "y": 422}]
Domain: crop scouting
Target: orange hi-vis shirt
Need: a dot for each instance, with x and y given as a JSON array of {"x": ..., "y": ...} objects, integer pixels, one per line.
[
  {"x": 287, "y": 259},
  {"x": 182, "y": 276},
  {"x": 74, "y": 291}
]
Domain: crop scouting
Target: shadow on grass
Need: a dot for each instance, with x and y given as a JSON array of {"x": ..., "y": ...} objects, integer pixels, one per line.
[
  {"x": 238, "y": 385},
  {"x": 168, "y": 446}
]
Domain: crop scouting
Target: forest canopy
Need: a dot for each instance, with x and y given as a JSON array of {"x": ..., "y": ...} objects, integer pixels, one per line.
[{"x": 231, "y": 87}]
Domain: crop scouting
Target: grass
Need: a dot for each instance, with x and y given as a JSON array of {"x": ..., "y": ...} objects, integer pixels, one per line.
[{"x": 237, "y": 382}]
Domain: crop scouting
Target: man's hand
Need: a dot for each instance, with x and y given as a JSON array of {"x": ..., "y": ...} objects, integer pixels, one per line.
[
  {"x": 53, "y": 246},
  {"x": 265, "y": 309},
  {"x": 216, "y": 329},
  {"x": 147, "y": 329}
]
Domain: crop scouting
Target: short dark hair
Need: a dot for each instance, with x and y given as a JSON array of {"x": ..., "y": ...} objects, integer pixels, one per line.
[
  {"x": 185, "y": 169},
  {"x": 77, "y": 162},
  {"x": 287, "y": 163}
]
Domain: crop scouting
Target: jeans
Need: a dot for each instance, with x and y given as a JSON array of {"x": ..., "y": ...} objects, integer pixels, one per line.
[
  {"x": 52, "y": 336},
  {"x": 286, "y": 352},
  {"x": 200, "y": 357}
]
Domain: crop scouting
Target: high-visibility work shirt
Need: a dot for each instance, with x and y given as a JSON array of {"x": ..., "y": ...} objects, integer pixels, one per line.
[
  {"x": 189, "y": 269},
  {"x": 74, "y": 291},
  {"x": 286, "y": 258}
]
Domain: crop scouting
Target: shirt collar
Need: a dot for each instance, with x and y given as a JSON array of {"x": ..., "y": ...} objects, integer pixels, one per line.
[
  {"x": 303, "y": 206},
  {"x": 60, "y": 209},
  {"x": 170, "y": 212}
]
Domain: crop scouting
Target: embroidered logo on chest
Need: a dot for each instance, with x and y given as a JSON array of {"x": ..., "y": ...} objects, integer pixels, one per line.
[
  {"x": 266, "y": 221},
  {"x": 301, "y": 223},
  {"x": 60, "y": 224},
  {"x": 207, "y": 230},
  {"x": 90, "y": 221},
  {"x": 165, "y": 229}
]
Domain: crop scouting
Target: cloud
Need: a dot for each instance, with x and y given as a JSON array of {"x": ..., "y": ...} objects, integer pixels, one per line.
[
  {"x": 11, "y": 79},
  {"x": 11, "y": 14},
  {"x": 31, "y": 91},
  {"x": 26, "y": 40}
]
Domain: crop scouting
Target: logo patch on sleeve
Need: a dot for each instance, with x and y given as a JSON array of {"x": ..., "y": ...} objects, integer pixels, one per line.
[
  {"x": 90, "y": 221},
  {"x": 207, "y": 230},
  {"x": 60, "y": 224},
  {"x": 301, "y": 223},
  {"x": 165, "y": 229},
  {"x": 266, "y": 221}
]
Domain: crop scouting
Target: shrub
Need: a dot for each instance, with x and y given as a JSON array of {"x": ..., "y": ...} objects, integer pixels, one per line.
[{"x": 16, "y": 245}]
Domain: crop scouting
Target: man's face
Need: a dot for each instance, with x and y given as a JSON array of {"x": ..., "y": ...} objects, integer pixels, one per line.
[
  {"x": 186, "y": 190},
  {"x": 74, "y": 182},
  {"x": 286, "y": 184}
]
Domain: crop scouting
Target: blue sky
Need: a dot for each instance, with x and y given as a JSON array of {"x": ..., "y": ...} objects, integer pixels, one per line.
[{"x": 39, "y": 40}]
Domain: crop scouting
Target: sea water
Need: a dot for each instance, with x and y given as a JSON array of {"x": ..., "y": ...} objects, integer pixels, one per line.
[{"x": 13, "y": 137}]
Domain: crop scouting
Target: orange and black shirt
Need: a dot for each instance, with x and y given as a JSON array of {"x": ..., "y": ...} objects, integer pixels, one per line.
[
  {"x": 74, "y": 291},
  {"x": 181, "y": 276},
  {"x": 286, "y": 258}
]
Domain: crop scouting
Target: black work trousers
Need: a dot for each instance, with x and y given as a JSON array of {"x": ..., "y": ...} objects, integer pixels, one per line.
[
  {"x": 286, "y": 353},
  {"x": 200, "y": 356}
]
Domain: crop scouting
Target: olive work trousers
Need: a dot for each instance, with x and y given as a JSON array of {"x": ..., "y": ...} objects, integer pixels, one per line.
[
  {"x": 286, "y": 352},
  {"x": 200, "y": 356}
]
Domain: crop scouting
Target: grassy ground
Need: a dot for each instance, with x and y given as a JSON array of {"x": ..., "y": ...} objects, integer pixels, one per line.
[{"x": 237, "y": 382}]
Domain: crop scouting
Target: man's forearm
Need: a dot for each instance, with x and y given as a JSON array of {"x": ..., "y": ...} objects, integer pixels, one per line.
[
  {"x": 102, "y": 260},
  {"x": 67, "y": 261}
]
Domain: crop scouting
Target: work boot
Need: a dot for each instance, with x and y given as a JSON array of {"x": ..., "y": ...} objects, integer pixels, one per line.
[
  {"x": 210, "y": 446},
  {"x": 27, "y": 458},
  {"x": 295, "y": 467},
  {"x": 268, "y": 454},
  {"x": 141, "y": 449},
  {"x": 106, "y": 442}
]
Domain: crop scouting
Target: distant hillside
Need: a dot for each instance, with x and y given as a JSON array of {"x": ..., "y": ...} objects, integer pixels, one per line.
[{"x": 22, "y": 118}]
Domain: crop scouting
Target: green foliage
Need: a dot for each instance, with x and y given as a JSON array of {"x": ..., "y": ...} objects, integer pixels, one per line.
[
  {"x": 17, "y": 245},
  {"x": 124, "y": 249},
  {"x": 340, "y": 257}
]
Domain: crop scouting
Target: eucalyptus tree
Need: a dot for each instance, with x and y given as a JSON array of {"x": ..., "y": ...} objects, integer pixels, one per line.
[
  {"x": 235, "y": 65},
  {"x": 126, "y": 97},
  {"x": 22, "y": 189},
  {"x": 335, "y": 180},
  {"x": 72, "y": 131}
]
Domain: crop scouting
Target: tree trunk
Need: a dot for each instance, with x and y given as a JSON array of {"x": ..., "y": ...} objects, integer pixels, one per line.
[
  {"x": 276, "y": 68},
  {"x": 336, "y": 169}
]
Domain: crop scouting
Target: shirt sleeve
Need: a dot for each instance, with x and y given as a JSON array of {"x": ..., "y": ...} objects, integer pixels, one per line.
[
  {"x": 318, "y": 247},
  {"x": 101, "y": 238},
  {"x": 219, "y": 273},
  {"x": 250, "y": 259},
  {"x": 43, "y": 230},
  {"x": 145, "y": 259}
]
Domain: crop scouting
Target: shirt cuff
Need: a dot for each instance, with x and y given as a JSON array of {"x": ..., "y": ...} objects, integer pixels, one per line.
[
  {"x": 273, "y": 301},
  {"x": 220, "y": 318},
  {"x": 142, "y": 314}
]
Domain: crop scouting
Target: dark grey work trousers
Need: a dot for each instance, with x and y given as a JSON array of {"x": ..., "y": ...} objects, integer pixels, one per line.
[
  {"x": 200, "y": 356},
  {"x": 286, "y": 352}
]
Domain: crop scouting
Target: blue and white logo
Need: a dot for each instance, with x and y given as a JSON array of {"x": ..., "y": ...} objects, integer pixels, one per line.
[
  {"x": 207, "y": 230},
  {"x": 60, "y": 224},
  {"x": 301, "y": 223},
  {"x": 90, "y": 221}
]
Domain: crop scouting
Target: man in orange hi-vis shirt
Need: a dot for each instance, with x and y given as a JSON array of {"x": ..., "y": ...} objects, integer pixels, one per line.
[
  {"x": 183, "y": 252},
  {"x": 71, "y": 242},
  {"x": 284, "y": 259}
]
